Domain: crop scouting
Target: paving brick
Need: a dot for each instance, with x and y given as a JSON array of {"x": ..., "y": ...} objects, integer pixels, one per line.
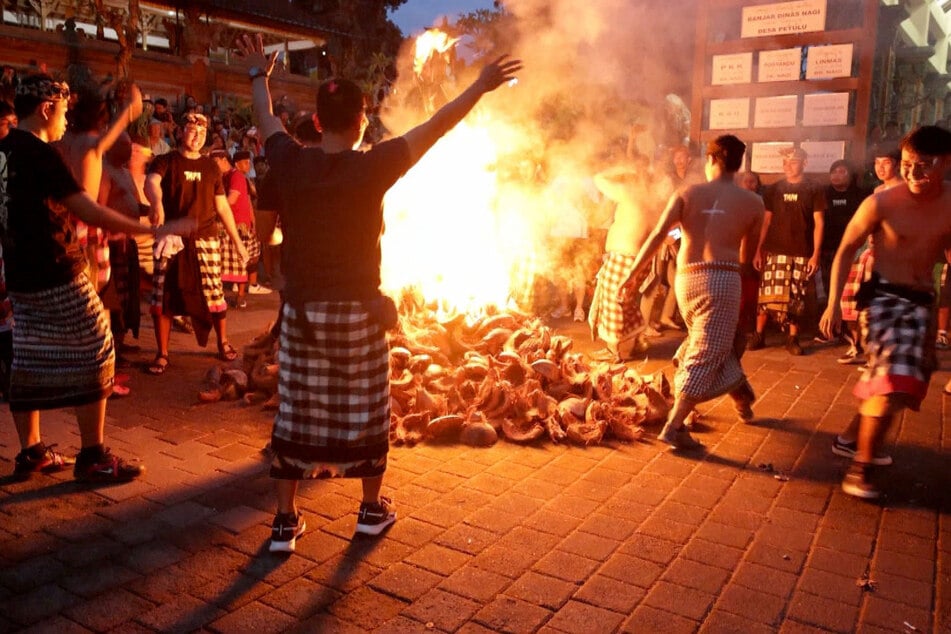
[
  {"x": 912, "y": 593},
  {"x": 764, "y": 579},
  {"x": 830, "y": 586},
  {"x": 696, "y": 575},
  {"x": 494, "y": 520},
  {"x": 550, "y": 522},
  {"x": 300, "y": 597},
  {"x": 474, "y": 583},
  {"x": 89, "y": 581},
  {"x": 542, "y": 590},
  {"x": 616, "y": 528},
  {"x": 566, "y": 566},
  {"x": 917, "y": 522},
  {"x": 445, "y": 610},
  {"x": 633, "y": 570},
  {"x": 108, "y": 610},
  {"x": 725, "y": 534},
  {"x": 720, "y": 622},
  {"x": 784, "y": 537},
  {"x": 55, "y": 625},
  {"x": 343, "y": 573},
  {"x": 784, "y": 559},
  {"x": 441, "y": 514},
  {"x": 42, "y": 602},
  {"x": 253, "y": 617},
  {"x": 505, "y": 561},
  {"x": 812, "y": 610},
  {"x": 438, "y": 559},
  {"x": 578, "y": 617},
  {"x": 610, "y": 594},
  {"x": 467, "y": 539},
  {"x": 326, "y": 623},
  {"x": 838, "y": 562},
  {"x": 758, "y": 607},
  {"x": 687, "y": 602},
  {"x": 240, "y": 518},
  {"x": 405, "y": 582},
  {"x": 678, "y": 532},
  {"x": 698, "y": 497},
  {"x": 88, "y": 552},
  {"x": 588, "y": 545},
  {"x": 32, "y": 572},
  {"x": 649, "y": 619},
  {"x": 712, "y": 554},
  {"x": 893, "y": 615},
  {"x": 507, "y": 614},
  {"x": 903, "y": 565},
  {"x": 144, "y": 558},
  {"x": 844, "y": 541}
]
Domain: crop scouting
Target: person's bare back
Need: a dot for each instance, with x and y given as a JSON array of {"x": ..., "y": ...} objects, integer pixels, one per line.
[{"x": 715, "y": 218}]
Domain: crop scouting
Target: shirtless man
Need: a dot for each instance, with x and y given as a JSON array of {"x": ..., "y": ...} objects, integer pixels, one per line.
[
  {"x": 719, "y": 220},
  {"x": 911, "y": 226},
  {"x": 620, "y": 325}
]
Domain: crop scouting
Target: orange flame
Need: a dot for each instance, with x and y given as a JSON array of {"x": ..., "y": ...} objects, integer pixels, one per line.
[{"x": 432, "y": 42}]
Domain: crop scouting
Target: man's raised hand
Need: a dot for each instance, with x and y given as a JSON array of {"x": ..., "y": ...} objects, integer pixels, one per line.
[
  {"x": 251, "y": 49},
  {"x": 499, "y": 71}
]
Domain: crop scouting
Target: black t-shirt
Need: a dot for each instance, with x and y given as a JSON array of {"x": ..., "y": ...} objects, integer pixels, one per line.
[
  {"x": 40, "y": 250},
  {"x": 841, "y": 208},
  {"x": 792, "y": 224},
  {"x": 189, "y": 187},
  {"x": 332, "y": 216},
  {"x": 269, "y": 194}
]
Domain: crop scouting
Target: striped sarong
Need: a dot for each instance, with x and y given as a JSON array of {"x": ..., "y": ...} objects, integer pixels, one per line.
[
  {"x": 899, "y": 341},
  {"x": 333, "y": 383},
  {"x": 709, "y": 294},
  {"x": 860, "y": 271},
  {"x": 783, "y": 286},
  {"x": 63, "y": 354},
  {"x": 209, "y": 269},
  {"x": 610, "y": 320}
]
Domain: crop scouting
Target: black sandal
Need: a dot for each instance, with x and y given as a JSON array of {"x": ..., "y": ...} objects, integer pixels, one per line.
[
  {"x": 226, "y": 352},
  {"x": 159, "y": 365}
]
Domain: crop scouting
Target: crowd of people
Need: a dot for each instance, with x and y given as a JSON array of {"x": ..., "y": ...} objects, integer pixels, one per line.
[{"x": 713, "y": 253}]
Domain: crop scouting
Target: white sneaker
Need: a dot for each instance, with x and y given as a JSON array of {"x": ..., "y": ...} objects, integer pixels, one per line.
[
  {"x": 257, "y": 289},
  {"x": 579, "y": 314}
]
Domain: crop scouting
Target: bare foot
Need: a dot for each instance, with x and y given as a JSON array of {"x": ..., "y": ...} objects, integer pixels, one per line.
[{"x": 679, "y": 438}]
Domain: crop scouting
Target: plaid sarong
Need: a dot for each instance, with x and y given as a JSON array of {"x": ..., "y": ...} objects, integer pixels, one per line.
[
  {"x": 899, "y": 340},
  {"x": 209, "y": 268},
  {"x": 334, "y": 416},
  {"x": 709, "y": 295},
  {"x": 609, "y": 319},
  {"x": 783, "y": 286},
  {"x": 860, "y": 271},
  {"x": 231, "y": 265},
  {"x": 63, "y": 352}
]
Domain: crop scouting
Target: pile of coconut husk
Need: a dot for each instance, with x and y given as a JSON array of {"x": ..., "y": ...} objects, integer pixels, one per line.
[
  {"x": 507, "y": 375},
  {"x": 458, "y": 379},
  {"x": 252, "y": 378}
]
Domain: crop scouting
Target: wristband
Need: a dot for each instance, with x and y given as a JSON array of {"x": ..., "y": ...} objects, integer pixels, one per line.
[{"x": 254, "y": 72}]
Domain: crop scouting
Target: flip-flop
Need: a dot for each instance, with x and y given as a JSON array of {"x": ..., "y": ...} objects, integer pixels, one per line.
[
  {"x": 226, "y": 352},
  {"x": 119, "y": 390},
  {"x": 157, "y": 367}
]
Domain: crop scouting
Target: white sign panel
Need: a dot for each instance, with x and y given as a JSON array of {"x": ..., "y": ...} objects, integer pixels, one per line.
[
  {"x": 766, "y": 158},
  {"x": 776, "y": 112},
  {"x": 732, "y": 69},
  {"x": 822, "y": 154},
  {"x": 781, "y": 65},
  {"x": 826, "y": 62},
  {"x": 730, "y": 114},
  {"x": 830, "y": 108},
  {"x": 783, "y": 18}
]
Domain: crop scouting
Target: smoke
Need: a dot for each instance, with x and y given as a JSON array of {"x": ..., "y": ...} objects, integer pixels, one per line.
[{"x": 592, "y": 70}]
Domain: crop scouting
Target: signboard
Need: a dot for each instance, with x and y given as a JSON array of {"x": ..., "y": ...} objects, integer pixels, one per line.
[
  {"x": 822, "y": 154},
  {"x": 765, "y": 158},
  {"x": 831, "y": 108},
  {"x": 732, "y": 69},
  {"x": 776, "y": 112},
  {"x": 826, "y": 62},
  {"x": 730, "y": 114},
  {"x": 781, "y": 65},
  {"x": 783, "y": 18}
]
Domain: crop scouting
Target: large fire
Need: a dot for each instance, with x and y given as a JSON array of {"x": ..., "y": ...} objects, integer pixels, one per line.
[{"x": 452, "y": 234}]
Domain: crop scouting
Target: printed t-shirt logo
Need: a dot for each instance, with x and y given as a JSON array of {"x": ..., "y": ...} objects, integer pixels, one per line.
[
  {"x": 791, "y": 198},
  {"x": 192, "y": 176}
]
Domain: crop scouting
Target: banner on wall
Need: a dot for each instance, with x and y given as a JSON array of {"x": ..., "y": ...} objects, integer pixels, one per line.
[
  {"x": 732, "y": 69},
  {"x": 784, "y": 18},
  {"x": 781, "y": 65},
  {"x": 822, "y": 154},
  {"x": 830, "y": 108},
  {"x": 776, "y": 112},
  {"x": 765, "y": 158},
  {"x": 827, "y": 62},
  {"x": 730, "y": 114}
]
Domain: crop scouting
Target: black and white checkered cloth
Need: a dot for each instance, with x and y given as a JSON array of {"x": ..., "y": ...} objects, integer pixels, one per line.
[
  {"x": 860, "y": 271},
  {"x": 899, "y": 344},
  {"x": 232, "y": 268},
  {"x": 611, "y": 320},
  {"x": 209, "y": 267},
  {"x": 334, "y": 389},
  {"x": 709, "y": 296}
]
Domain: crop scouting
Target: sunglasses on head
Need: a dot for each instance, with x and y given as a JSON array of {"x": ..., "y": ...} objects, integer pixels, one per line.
[
  {"x": 197, "y": 120},
  {"x": 59, "y": 91}
]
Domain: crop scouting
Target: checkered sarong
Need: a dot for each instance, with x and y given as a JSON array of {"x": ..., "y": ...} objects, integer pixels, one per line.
[
  {"x": 899, "y": 343},
  {"x": 783, "y": 285},
  {"x": 860, "y": 271},
  {"x": 608, "y": 318},
  {"x": 709, "y": 295},
  {"x": 63, "y": 353},
  {"x": 333, "y": 383},
  {"x": 232, "y": 268},
  {"x": 209, "y": 267}
]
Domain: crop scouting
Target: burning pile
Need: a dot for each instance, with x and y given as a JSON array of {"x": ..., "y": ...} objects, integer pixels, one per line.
[{"x": 507, "y": 375}]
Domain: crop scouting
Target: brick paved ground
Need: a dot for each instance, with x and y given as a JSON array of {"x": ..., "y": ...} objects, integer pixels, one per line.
[{"x": 628, "y": 538}]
